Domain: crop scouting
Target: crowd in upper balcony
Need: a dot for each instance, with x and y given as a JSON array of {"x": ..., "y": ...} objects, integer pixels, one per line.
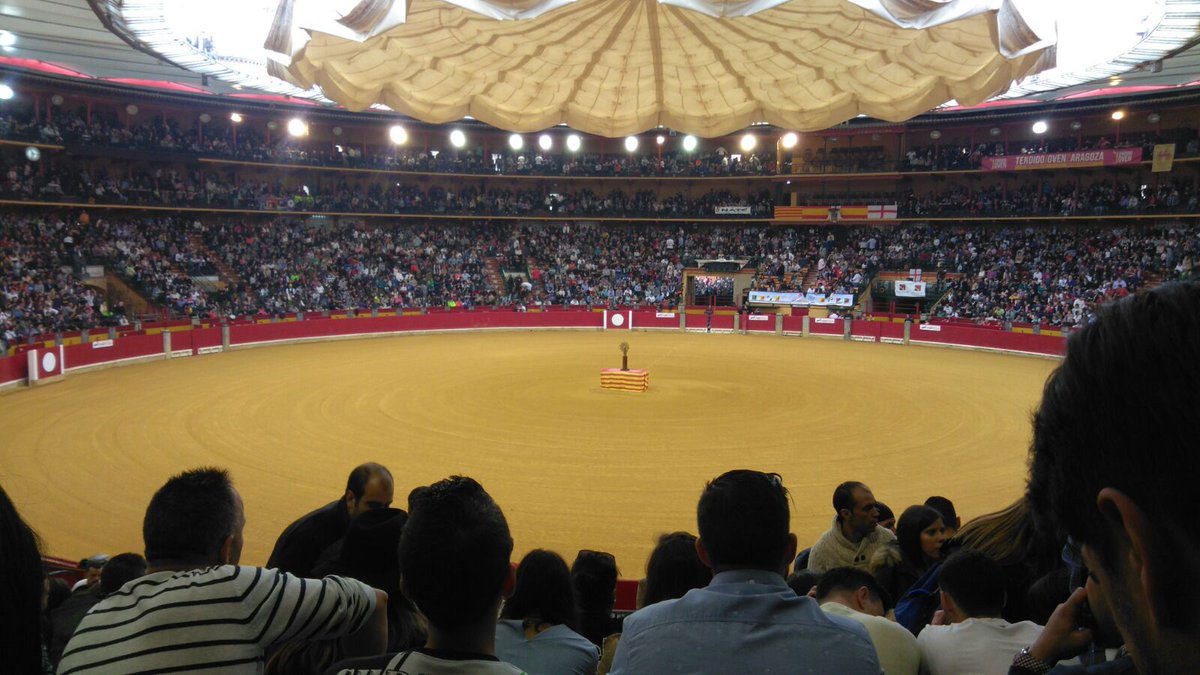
[
  {"x": 250, "y": 144},
  {"x": 77, "y": 181}
]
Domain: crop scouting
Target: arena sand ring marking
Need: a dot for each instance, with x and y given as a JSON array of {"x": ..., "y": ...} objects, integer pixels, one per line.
[{"x": 572, "y": 466}]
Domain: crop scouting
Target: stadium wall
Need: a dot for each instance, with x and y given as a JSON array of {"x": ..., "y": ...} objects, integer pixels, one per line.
[{"x": 151, "y": 344}]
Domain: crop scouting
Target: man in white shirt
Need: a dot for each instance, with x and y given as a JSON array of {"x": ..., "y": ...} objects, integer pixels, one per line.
[
  {"x": 854, "y": 594},
  {"x": 968, "y": 637}
]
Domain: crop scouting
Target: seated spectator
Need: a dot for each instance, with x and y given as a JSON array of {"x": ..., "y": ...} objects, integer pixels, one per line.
[
  {"x": 949, "y": 516},
  {"x": 746, "y": 620},
  {"x": 367, "y": 553},
  {"x": 803, "y": 581},
  {"x": 302, "y": 544},
  {"x": 197, "y": 609},
  {"x": 918, "y": 546},
  {"x": 536, "y": 628},
  {"x": 118, "y": 571},
  {"x": 1027, "y": 555},
  {"x": 92, "y": 567},
  {"x": 20, "y": 593},
  {"x": 852, "y": 593},
  {"x": 887, "y": 519},
  {"x": 594, "y": 577},
  {"x": 969, "y": 636},
  {"x": 1112, "y": 439},
  {"x": 855, "y": 535},
  {"x": 674, "y": 568},
  {"x": 455, "y": 556}
]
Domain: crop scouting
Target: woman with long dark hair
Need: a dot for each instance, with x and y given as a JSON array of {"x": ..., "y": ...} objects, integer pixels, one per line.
[
  {"x": 537, "y": 626},
  {"x": 920, "y": 534},
  {"x": 21, "y": 589}
]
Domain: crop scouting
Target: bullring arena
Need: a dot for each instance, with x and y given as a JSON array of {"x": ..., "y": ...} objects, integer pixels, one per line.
[{"x": 572, "y": 465}]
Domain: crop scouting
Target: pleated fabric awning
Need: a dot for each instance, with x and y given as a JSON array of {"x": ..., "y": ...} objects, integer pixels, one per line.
[{"x": 617, "y": 67}]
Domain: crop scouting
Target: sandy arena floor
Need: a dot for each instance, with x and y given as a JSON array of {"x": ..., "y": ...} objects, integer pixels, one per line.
[{"x": 573, "y": 466}]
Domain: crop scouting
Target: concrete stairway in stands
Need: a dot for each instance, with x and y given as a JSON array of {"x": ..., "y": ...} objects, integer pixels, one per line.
[
  {"x": 225, "y": 271},
  {"x": 491, "y": 267}
]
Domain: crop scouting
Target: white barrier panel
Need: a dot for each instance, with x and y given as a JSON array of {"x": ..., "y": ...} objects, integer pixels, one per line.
[{"x": 45, "y": 365}]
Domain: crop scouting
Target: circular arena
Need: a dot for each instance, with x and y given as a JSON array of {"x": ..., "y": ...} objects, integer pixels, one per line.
[{"x": 572, "y": 465}]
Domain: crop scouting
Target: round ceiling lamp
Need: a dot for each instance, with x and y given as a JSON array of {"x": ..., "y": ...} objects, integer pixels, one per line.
[
  {"x": 789, "y": 140},
  {"x": 397, "y": 134},
  {"x": 457, "y": 138},
  {"x": 574, "y": 143}
]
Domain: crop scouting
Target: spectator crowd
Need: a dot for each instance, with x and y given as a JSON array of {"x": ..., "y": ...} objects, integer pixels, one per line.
[{"x": 1054, "y": 275}]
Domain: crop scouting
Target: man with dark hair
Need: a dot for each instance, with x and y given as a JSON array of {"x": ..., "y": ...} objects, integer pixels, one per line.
[
  {"x": 304, "y": 543},
  {"x": 854, "y": 594},
  {"x": 454, "y": 559},
  {"x": 949, "y": 515},
  {"x": 1112, "y": 441},
  {"x": 197, "y": 609},
  {"x": 855, "y": 534},
  {"x": 968, "y": 635},
  {"x": 747, "y": 620},
  {"x": 65, "y": 618}
]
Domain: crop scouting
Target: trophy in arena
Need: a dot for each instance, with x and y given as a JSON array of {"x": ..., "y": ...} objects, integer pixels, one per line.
[{"x": 624, "y": 356}]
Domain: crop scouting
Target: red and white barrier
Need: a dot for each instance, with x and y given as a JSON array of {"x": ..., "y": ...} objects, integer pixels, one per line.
[{"x": 45, "y": 365}]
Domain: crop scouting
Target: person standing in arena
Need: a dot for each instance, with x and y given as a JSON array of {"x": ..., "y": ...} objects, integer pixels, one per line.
[
  {"x": 197, "y": 609},
  {"x": 304, "y": 543}
]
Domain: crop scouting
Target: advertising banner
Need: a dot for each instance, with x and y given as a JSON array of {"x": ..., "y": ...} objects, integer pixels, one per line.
[
  {"x": 732, "y": 210},
  {"x": 801, "y": 299},
  {"x": 1164, "y": 158},
  {"x": 910, "y": 289},
  {"x": 835, "y": 213},
  {"x": 1063, "y": 160}
]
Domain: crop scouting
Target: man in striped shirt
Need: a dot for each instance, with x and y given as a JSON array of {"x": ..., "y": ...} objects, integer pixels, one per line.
[{"x": 198, "y": 610}]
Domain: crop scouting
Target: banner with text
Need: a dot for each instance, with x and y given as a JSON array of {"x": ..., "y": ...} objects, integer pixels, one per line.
[
  {"x": 732, "y": 210},
  {"x": 835, "y": 213},
  {"x": 801, "y": 299},
  {"x": 1063, "y": 160}
]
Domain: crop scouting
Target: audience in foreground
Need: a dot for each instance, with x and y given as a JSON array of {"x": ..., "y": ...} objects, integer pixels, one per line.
[
  {"x": 1112, "y": 440},
  {"x": 21, "y": 580},
  {"x": 852, "y": 593},
  {"x": 536, "y": 631},
  {"x": 968, "y": 635},
  {"x": 455, "y": 554},
  {"x": 197, "y": 609},
  {"x": 855, "y": 535},
  {"x": 306, "y": 542},
  {"x": 747, "y": 620}
]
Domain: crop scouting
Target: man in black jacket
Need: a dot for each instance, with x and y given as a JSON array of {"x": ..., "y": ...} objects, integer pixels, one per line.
[{"x": 300, "y": 547}]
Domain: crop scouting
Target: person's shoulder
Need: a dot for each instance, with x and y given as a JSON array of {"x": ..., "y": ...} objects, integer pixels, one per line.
[
  {"x": 363, "y": 665},
  {"x": 883, "y": 535}
]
